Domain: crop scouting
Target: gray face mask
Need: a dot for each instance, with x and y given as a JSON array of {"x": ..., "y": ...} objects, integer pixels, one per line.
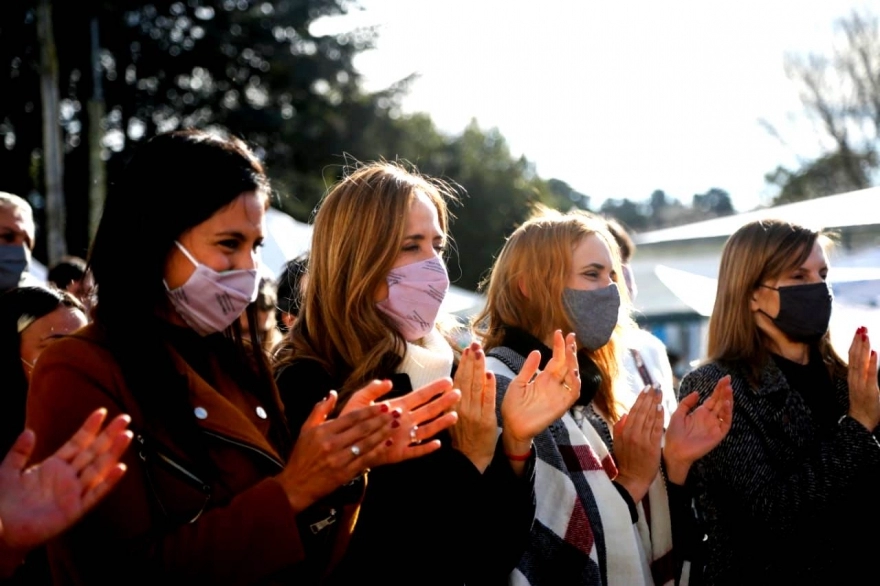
[
  {"x": 14, "y": 259},
  {"x": 593, "y": 314}
]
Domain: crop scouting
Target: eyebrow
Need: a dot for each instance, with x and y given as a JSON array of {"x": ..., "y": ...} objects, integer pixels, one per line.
[
  {"x": 594, "y": 265},
  {"x": 420, "y": 237}
]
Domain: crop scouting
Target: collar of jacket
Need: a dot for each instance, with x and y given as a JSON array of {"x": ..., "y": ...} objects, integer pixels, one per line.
[
  {"x": 221, "y": 416},
  {"x": 773, "y": 381}
]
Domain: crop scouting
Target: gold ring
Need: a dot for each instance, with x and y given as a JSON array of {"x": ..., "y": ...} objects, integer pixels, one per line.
[{"x": 566, "y": 387}]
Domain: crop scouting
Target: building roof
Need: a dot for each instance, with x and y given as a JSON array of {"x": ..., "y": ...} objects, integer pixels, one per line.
[{"x": 856, "y": 208}]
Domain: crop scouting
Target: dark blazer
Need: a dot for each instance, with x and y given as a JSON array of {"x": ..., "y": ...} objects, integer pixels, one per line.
[
  {"x": 434, "y": 520},
  {"x": 782, "y": 498}
]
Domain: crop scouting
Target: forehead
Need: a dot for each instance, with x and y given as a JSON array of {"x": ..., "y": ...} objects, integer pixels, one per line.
[
  {"x": 591, "y": 249},
  {"x": 14, "y": 218},
  {"x": 422, "y": 215},
  {"x": 245, "y": 214}
]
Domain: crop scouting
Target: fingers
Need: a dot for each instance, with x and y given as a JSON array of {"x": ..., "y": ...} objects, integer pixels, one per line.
[
  {"x": 21, "y": 451},
  {"x": 465, "y": 373},
  {"x": 370, "y": 393},
  {"x": 102, "y": 443},
  {"x": 106, "y": 461},
  {"x": 423, "y": 449},
  {"x": 436, "y": 407},
  {"x": 529, "y": 368},
  {"x": 620, "y": 426},
  {"x": 321, "y": 411},
  {"x": 97, "y": 492},
  {"x": 431, "y": 429},
  {"x": 359, "y": 424},
  {"x": 83, "y": 437},
  {"x": 488, "y": 405},
  {"x": 423, "y": 395}
]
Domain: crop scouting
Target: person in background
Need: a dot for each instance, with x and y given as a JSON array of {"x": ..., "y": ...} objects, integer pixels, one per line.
[
  {"x": 290, "y": 291},
  {"x": 788, "y": 496},
  {"x": 645, "y": 357},
  {"x": 16, "y": 241},
  {"x": 31, "y": 319},
  {"x": 264, "y": 324},
  {"x": 70, "y": 274}
]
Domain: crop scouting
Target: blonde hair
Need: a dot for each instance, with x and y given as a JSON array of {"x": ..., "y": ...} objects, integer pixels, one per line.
[
  {"x": 15, "y": 203},
  {"x": 358, "y": 233},
  {"x": 525, "y": 290},
  {"x": 759, "y": 251}
]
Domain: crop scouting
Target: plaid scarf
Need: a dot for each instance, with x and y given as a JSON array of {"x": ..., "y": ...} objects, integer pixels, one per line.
[{"x": 583, "y": 532}]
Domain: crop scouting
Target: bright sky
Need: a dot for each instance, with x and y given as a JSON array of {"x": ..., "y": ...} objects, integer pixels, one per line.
[{"x": 615, "y": 98}]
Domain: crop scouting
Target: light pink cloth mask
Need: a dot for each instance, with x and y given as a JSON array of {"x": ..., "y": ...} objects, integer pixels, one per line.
[
  {"x": 210, "y": 301},
  {"x": 415, "y": 292}
]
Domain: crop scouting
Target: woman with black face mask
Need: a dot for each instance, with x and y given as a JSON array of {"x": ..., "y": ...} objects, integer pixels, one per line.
[
  {"x": 603, "y": 515},
  {"x": 787, "y": 496}
]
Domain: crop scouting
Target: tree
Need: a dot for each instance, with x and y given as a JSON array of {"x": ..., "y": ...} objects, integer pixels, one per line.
[
  {"x": 715, "y": 202},
  {"x": 840, "y": 94}
]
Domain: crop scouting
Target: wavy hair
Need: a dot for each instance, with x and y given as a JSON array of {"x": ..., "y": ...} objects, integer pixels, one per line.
[
  {"x": 525, "y": 290},
  {"x": 358, "y": 233}
]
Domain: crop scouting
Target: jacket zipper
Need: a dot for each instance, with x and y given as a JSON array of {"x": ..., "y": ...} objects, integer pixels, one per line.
[{"x": 249, "y": 447}]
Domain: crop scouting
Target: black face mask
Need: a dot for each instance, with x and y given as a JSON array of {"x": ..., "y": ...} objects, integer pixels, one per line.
[{"x": 804, "y": 311}]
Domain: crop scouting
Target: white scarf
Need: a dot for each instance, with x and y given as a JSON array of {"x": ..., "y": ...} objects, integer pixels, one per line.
[{"x": 426, "y": 361}]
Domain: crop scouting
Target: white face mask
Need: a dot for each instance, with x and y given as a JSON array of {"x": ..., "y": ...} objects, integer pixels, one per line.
[{"x": 210, "y": 301}]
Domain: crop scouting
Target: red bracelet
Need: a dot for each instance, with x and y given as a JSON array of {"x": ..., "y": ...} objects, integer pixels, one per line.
[{"x": 519, "y": 458}]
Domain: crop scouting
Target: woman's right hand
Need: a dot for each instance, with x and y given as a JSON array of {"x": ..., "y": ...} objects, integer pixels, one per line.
[
  {"x": 637, "y": 440},
  {"x": 476, "y": 432},
  {"x": 864, "y": 394},
  {"x": 330, "y": 453},
  {"x": 533, "y": 402}
]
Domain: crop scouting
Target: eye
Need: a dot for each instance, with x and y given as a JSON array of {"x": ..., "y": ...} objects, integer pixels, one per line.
[
  {"x": 259, "y": 244},
  {"x": 229, "y": 243}
]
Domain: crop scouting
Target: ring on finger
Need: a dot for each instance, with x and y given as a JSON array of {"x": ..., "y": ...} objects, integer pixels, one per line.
[
  {"x": 355, "y": 450},
  {"x": 413, "y": 435},
  {"x": 566, "y": 387}
]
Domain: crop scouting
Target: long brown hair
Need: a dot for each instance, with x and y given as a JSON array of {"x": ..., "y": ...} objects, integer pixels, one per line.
[
  {"x": 526, "y": 284},
  {"x": 358, "y": 233},
  {"x": 759, "y": 251}
]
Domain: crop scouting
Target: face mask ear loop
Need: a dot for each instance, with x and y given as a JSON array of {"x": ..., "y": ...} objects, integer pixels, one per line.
[{"x": 186, "y": 253}]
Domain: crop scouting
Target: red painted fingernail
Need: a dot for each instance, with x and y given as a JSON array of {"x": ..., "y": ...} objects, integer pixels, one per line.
[
  {"x": 384, "y": 408},
  {"x": 873, "y": 354},
  {"x": 575, "y": 372},
  {"x": 395, "y": 424},
  {"x": 396, "y": 414},
  {"x": 488, "y": 375},
  {"x": 388, "y": 442},
  {"x": 465, "y": 353},
  {"x": 475, "y": 346},
  {"x": 864, "y": 337},
  {"x": 479, "y": 355}
]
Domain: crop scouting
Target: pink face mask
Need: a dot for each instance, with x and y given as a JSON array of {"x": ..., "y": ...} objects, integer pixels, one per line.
[
  {"x": 210, "y": 301},
  {"x": 415, "y": 292}
]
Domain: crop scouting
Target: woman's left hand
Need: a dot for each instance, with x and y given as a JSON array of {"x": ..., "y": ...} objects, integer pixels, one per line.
[
  {"x": 530, "y": 406},
  {"x": 476, "y": 432},
  {"x": 694, "y": 431}
]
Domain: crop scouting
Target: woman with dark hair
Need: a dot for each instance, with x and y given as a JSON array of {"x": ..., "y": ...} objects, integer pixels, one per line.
[
  {"x": 215, "y": 492},
  {"x": 31, "y": 318},
  {"x": 787, "y": 497}
]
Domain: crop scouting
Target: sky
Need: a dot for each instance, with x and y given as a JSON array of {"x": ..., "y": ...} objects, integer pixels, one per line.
[{"x": 616, "y": 98}]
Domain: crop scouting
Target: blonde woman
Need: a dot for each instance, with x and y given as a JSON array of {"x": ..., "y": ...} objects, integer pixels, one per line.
[
  {"x": 376, "y": 281},
  {"x": 596, "y": 463},
  {"x": 788, "y": 496}
]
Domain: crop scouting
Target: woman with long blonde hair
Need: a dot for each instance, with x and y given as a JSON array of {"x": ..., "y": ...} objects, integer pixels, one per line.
[
  {"x": 562, "y": 271},
  {"x": 788, "y": 496},
  {"x": 376, "y": 282}
]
